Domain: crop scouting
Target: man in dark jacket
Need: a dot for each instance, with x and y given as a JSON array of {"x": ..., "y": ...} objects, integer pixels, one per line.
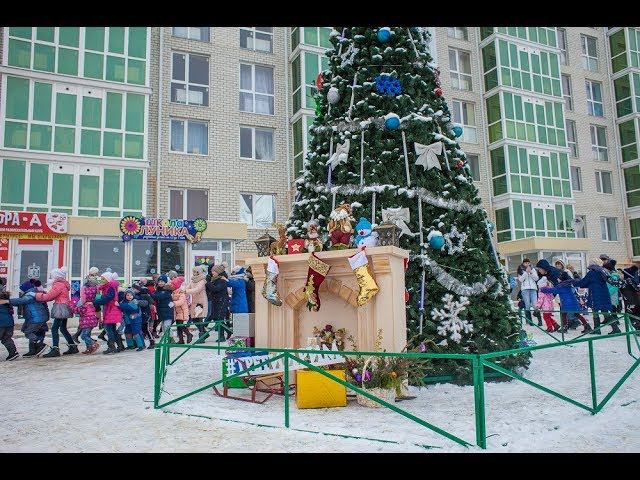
[
  {"x": 251, "y": 290},
  {"x": 553, "y": 274},
  {"x": 162, "y": 297},
  {"x": 7, "y": 323},
  {"x": 36, "y": 316}
]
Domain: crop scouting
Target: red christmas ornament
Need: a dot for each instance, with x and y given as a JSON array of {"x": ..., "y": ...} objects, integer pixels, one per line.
[
  {"x": 406, "y": 296},
  {"x": 438, "y": 91},
  {"x": 319, "y": 81},
  {"x": 459, "y": 164}
]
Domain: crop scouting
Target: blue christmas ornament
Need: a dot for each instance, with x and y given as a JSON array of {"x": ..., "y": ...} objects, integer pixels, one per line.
[
  {"x": 388, "y": 84},
  {"x": 392, "y": 121},
  {"x": 384, "y": 34},
  {"x": 436, "y": 242},
  {"x": 490, "y": 226},
  {"x": 457, "y": 130}
]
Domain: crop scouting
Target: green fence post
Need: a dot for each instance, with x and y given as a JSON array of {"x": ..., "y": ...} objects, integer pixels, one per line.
[
  {"x": 156, "y": 381},
  {"x": 478, "y": 393},
  {"x": 626, "y": 329},
  {"x": 286, "y": 389},
  {"x": 592, "y": 371}
]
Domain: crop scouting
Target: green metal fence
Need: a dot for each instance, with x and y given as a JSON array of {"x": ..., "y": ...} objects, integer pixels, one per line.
[{"x": 479, "y": 362}]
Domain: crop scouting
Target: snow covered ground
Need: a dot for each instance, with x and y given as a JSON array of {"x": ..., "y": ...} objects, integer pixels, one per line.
[{"x": 104, "y": 404}]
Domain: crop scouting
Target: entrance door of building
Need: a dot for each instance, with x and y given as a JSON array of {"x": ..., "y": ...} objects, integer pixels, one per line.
[{"x": 31, "y": 261}]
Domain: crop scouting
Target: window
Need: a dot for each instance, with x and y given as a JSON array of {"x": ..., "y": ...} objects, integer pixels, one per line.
[
  {"x": 258, "y": 211},
  {"x": 589, "y": 53},
  {"x": 172, "y": 256},
  {"x": 594, "y": 98},
  {"x": 464, "y": 113},
  {"x": 582, "y": 233},
  {"x": 188, "y": 204},
  {"x": 566, "y": 92},
  {"x": 460, "y": 69},
  {"x": 256, "y": 143},
  {"x": 609, "y": 229},
  {"x": 576, "y": 179},
  {"x": 318, "y": 36},
  {"x": 190, "y": 79},
  {"x": 105, "y": 254},
  {"x": 474, "y": 166},
  {"x": 628, "y": 141},
  {"x": 193, "y": 33},
  {"x": 634, "y": 225},
  {"x": 257, "y": 38},
  {"x": 195, "y": 133},
  {"x": 562, "y": 45},
  {"x": 222, "y": 250},
  {"x": 618, "y": 45},
  {"x": 599, "y": 143},
  {"x": 570, "y": 125},
  {"x": 632, "y": 185},
  {"x": 603, "y": 182},
  {"x": 256, "y": 89},
  {"x": 461, "y": 33}
]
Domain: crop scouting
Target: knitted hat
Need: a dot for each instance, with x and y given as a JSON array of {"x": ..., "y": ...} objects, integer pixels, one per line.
[
  {"x": 172, "y": 274},
  {"x": 114, "y": 276},
  {"x": 107, "y": 276},
  {"x": 177, "y": 282},
  {"x": 142, "y": 281},
  {"x": 163, "y": 278},
  {"x": 94, "y": 271},
  {"x": 131, "y": 291},
  {"x": 218, "y": 269},
  {"x": 59, "y": 273},
  {"x": 26, "y": 286},
  {"x": 237, "y": 270}
]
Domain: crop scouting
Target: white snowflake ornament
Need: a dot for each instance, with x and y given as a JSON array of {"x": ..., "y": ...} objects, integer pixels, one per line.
[
  {"x": 450, "y": 323},
  {"x": 454, "y": 241}
]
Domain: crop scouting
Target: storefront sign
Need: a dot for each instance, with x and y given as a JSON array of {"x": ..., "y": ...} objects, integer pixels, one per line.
[
  {"x": 144, "y": 228},
  {"x": 4, "y": 256},
  {"x": 51, "y": 226}
]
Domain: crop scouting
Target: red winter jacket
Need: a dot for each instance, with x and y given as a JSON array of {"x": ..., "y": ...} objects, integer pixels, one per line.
[{"x": 59, "y": 293}]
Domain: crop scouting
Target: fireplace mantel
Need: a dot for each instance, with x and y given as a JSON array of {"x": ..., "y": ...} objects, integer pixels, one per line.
[{"x": 289, "y": 325}]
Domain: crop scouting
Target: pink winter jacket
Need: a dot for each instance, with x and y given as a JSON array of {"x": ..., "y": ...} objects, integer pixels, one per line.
[
  {"x": 111, "y": 314},
  {"x": 198, "y": 296},
  {"x": 545, "y": 301},
  {"x": 180, "y": 306},
  {"x": 59, "y": 293}
]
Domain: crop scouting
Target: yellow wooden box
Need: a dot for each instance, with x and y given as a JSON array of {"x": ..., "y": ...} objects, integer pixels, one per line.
[{"x": 314, "y": 390}]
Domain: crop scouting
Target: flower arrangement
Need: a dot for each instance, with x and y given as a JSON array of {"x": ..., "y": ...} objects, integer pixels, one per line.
[
  {"x": 376, "y": 372},
  {"x": 328, "y": 335}
]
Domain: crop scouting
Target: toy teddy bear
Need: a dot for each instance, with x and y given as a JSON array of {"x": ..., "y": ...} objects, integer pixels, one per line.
[
  {"x": 365, "y": 236},
  {"x": 312, "y": 243}
]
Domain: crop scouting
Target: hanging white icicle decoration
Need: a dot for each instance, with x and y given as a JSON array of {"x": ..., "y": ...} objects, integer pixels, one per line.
[
  {"x": 328, "y": 162},
  {"x": 444, "y": 149},
  {"x": 361, "y": 158},
  {"x": 353, "y": 93},
  {"x": 373, "y": 208},
  {"x": 415, "y": 49},
  {"x": 422, "y": 283},
  {"x": 406, "y": 158}
]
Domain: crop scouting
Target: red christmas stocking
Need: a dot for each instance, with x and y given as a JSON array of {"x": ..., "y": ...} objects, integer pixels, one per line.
[{"x": 315, "y": 276}]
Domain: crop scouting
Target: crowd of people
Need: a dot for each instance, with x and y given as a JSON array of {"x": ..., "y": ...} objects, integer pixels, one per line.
[
  {"x": 609, "y": 290},
  {"x": 140, "y": 312}
]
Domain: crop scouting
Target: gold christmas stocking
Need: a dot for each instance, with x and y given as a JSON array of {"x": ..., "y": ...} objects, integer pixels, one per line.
[
  {"x": 368, "y": 287},
  {"x": 270, "y": 287},
  {"x": 315, "y": 276}
]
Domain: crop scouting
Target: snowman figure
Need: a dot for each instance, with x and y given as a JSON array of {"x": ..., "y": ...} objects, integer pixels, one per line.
[{"x": 365, "y": 236}]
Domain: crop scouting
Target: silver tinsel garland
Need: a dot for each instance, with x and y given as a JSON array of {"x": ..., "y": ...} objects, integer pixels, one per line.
[
  {"x": 453, "y": 284},
  {"x": 423, "y": 193}
]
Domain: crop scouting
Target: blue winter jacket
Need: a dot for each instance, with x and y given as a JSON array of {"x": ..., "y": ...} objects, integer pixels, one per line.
[
  {"x": 568, "y": 299},
  {"x": 162, "y": 296},
  {"x": 131, "y": 311},
  {"x": 554, "y": 275},
  {"x": 6, "y": 316},
  {"x": 596, "y": 281},
  {"x": 34, "y": 312},
  {"x": 238, "y": 294}
]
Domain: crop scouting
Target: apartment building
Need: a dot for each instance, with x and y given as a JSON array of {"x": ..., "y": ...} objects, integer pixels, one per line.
[
  {"x": 73, "y": 151},
  {"x": 213, "y": 123}
]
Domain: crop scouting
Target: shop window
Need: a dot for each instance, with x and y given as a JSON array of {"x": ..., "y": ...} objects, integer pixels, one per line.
[
  {"x": 76, "y": 258},
  {"x": 144, "y": 257},
  {"x": 105, "y": 254},
  {"x": 172, "y": 257},
  {"x": 222, "y": 250}
]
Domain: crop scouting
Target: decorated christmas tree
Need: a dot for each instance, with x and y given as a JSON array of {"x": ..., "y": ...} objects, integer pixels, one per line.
[{"x": 383, "y": 143}]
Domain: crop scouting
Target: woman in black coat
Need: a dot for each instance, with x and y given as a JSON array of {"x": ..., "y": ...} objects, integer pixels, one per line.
[
  {"x": 251, "y": 290},
  {"x": 216, "y": 288}
]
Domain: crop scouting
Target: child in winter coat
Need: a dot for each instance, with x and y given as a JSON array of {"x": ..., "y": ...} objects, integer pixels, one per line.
[
  {"x": 145, "y": 301},
  {"x": 162, "y": 297},
  {"x": 88, "y": 317},
  {"x": 545, "y": 303},
  {"x": 217, "y": 291},
  {"x": 6, "y": 323},
  {"x": 568, "y": 304},
  {"x": 60, "y": 312},
  {"x": 36, "y": 316},
  {"x": 180, "y": 308},
  {"x": 238, "y": 286},
  {"x": 133, "y": 319},
  {"x": 111, "y": 314}
]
